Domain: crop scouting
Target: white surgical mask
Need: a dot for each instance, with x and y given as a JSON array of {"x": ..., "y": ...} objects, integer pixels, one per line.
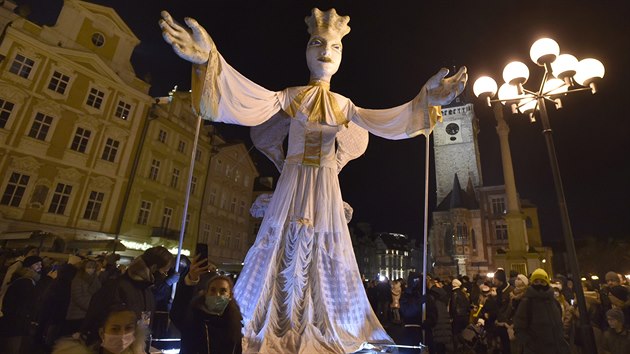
[
  {"x": 215, "y": 305},
  {"x": 117, "y": 343}
]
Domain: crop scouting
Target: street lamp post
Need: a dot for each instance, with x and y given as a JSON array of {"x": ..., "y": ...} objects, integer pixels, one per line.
[{"x": 563, "y": 75}]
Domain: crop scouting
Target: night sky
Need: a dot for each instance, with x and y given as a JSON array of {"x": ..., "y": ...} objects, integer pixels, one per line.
[{"x": 390, "y": 52}]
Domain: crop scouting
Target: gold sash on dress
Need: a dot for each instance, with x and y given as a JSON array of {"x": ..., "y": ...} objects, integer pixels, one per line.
[{"x": 315, "y": 101}]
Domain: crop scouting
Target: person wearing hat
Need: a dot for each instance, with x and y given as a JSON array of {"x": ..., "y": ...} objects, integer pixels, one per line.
[
  {"x": 616, "y": 338},
  {"x": 19, "y": 308},
  {"x": 15, "y": 266},
  {"x": 504, "y": 312},
  {"x": 459, "y": 308},
  {"x": 538, "y": 319}
]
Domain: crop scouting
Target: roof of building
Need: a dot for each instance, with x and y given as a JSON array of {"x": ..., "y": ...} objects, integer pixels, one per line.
[{"x": 458, "y": 198}]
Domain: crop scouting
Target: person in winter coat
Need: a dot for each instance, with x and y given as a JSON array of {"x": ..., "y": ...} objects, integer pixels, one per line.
[
  {"x": 504, "y": 312},
  {"x": 132, "y": 288},
  {"x": 118, "y": 333},
  {"x": 616, "y": 338},
  {"x": 15, "y": 266},
  {"x": 55, "y": 301},
  {"x": 20, "y": 302},
  {"x": 84, "y": 285},
  {"x": 538, "y": 319},
  {"x": 396, "y": 292},
  {"x": 459, "y": 308},
  {"x": 437, "y": 326},
  {"x": 210, "y": 322}
]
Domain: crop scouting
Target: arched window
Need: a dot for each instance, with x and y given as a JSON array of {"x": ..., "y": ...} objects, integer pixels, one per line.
[{"x": 448, "y": 241}]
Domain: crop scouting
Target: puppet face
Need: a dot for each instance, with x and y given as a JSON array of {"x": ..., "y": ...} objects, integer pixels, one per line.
[{"x": 323, "y": 55}]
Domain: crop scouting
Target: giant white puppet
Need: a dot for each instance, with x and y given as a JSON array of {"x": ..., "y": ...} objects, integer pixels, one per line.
[{"x": 300, "y": 290}]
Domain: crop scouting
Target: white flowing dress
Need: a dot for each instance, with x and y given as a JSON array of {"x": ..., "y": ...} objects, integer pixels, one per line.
[{"x": 300, "y": 290}]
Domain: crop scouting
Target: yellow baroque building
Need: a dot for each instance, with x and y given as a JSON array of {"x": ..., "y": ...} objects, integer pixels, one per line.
[{"x": 88, "y": 157}]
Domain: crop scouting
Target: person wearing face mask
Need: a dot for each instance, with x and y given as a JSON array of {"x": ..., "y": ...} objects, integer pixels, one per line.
[
  {"x": 538, "y": 318},
  {"x": 118, "y": 333},
  {"x": 84, "y": 285},
  {"x": 19, "y": 304},
  {"x": 211, "y": 321}
]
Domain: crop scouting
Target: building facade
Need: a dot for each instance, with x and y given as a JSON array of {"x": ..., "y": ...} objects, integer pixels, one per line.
[
  {"x": 70, "y": 111},
  {"x": 469, "y": 232}
]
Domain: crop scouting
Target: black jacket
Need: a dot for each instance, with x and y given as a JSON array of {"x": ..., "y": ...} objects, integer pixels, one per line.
[{"x": 203, "y": 333}]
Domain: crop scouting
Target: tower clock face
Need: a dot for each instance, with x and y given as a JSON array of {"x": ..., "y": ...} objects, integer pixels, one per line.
[{"x": 452, "y": 129}]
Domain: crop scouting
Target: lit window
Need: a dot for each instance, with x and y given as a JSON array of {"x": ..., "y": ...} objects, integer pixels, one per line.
[
  {"x": 22, "y": 66},
  {"x": 6, "y": 108},
  {"x": 59, "y": 82},
  {"x": 80, "y": 140},
  {"x": 40, "y": 127},
  {"x": 15, "y": 189},
  {"x": 60, "y": 199},
  {"x": 122, "y": 110},
  {"x": 95, "y": 98},
  {"x": 93, "y": 206},
  {"x": 110, "y": 150},
  {"x": 145, "y": 210}
]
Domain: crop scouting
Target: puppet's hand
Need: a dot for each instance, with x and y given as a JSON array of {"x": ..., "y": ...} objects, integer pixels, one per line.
[
  {"x": 194, "y": 45},
  {"x": 442, "y": 91}
]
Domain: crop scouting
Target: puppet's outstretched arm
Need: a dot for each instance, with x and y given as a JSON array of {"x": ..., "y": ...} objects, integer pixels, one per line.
[{"x": 193, "y": 45}]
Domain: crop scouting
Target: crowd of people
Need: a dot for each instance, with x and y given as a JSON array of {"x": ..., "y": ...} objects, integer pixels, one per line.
[
  {"x": 89, "y": 304},
  {"x": 507, "y": 313}
]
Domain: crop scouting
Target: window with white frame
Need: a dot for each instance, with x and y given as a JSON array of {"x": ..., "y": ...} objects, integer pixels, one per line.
[
  {"x": 193, "y": 184},
  {"x": 122, "y": 110},
  {"x": 41, "y": 126},
  {"x": 60, "y": 199},
  {"x": 213, "y": 196},
  {"x": 217, "y": 238},
  {"x": 498, "y": 206},
  {"x": 6, "y": 108},
  {"x": 93, "y": 206},
  {"x": 198, "y": 155},
  {"x": 110, "y": 150},
  {"x": 166, "y": 217},
  {"x": 181, "y": 146},
  {"x": 95, "y": 98},
  {"x": 155, "y": 170},
  {"x": 59, "y": 82},
  {"x": 501, "y": 232},
  {"x": 174, "y": 178},
  {"x": 145, "y": 211},
  {"x": 237, "y": 241},
  {"x": 205, "y": 234},
  {"x": 80, "y": 140},
  {"x": 22, "y": 66},
  {"x": 241, "y": 208},
  {"x": 225, "y": 241},
  {"x": 14, "y": 191},
  {"x": 162, "y": 136}
]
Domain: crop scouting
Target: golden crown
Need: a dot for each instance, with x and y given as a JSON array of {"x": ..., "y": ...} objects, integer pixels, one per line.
[{"x": 328, "y": 21}]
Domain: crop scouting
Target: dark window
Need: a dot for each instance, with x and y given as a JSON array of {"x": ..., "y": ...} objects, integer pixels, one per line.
[{"x": 15, "y": 189}]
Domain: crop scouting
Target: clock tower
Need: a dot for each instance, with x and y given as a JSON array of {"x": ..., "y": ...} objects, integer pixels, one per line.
[{"x": 455, "y": 148}]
